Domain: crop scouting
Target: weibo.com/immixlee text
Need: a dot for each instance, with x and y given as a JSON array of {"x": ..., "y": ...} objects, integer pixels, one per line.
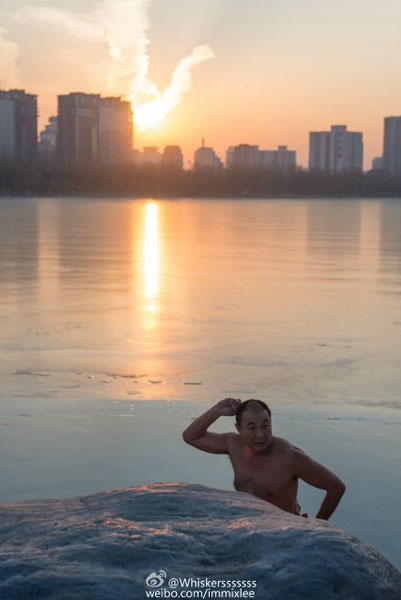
[{"x": 159, "y": 585}]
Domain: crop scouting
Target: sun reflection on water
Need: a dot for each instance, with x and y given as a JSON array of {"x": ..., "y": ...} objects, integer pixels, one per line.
[{"x": 151, "y": 256}]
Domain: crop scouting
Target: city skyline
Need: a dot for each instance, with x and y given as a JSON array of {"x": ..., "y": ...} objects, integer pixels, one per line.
[
  {"x": 89, "y": 129},
  {"x": 273, "y": 73}
]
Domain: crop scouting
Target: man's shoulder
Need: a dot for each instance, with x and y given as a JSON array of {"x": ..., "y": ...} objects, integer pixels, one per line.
[
  {"x": 281, "y": 443},
  {"x": 232, "y": 439},
  {"x": 232, "y": 436},
  {"x": 289, "y": 450}
]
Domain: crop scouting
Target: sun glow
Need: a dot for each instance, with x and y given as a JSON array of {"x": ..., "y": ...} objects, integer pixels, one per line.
[
  {"x": 123, "y": 25},
  {"x": 151, "y": 255},
  {"x": 150, "y": 115}
]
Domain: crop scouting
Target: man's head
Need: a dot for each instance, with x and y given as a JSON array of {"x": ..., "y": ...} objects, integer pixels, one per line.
[{"x": 253, "y": 423}]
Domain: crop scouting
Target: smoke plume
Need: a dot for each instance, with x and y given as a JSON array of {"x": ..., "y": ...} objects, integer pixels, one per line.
[{"x": 123, "y": 25}]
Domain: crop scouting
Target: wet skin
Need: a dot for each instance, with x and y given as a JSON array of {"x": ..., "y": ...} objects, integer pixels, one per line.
[
  {"x": 264, "y": 465},
  {"x": 268, "y": 474}
]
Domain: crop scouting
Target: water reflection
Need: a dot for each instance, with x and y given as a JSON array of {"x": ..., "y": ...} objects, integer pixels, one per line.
[
  {"x": 213, "y": 282},
  {"x": 333, "y": 238},
  {"x": 390, "y": 239},
  {"x": 151, "y": 256},
  {"x": 48, "y": 252}
]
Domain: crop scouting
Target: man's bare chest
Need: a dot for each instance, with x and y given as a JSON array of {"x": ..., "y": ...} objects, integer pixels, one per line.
[{"x": 265, "y": 477}]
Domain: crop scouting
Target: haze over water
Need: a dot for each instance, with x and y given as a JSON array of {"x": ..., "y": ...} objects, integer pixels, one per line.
[{"x": 157, "y": 309}]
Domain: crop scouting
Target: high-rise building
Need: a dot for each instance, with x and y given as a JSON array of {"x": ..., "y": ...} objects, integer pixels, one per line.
[
  {"x": 94, "y": 130},
  {"x": 250, "y": 157},
  {"x": 392, "y": 145},
  {"x": 267, "y": 159},
  {"x": 230, "y": 157},
  {"x": 78, "y": 129},
  {"x": 281, "y": 159},
  {"x": 7, "y": 128},
  {"x": 335, "y": 150},
  {"x": 115, "y": 131},
  {"x": 18, "y": 126},
  {"x": 319, "y": 150},
  {"x": 150, "y": 155},
  {"x": 47, "y": 141},
  {"x": 243, "y": 156},
  {"x": 377, "y": 163},
  {"x": 286, "y": 159},
  {"x": 206, "y": 158},
  {"x": 172, "y": 157}
]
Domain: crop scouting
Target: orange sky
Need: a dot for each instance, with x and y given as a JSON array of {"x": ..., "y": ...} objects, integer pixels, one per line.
[{"x": 280, "y": 70}]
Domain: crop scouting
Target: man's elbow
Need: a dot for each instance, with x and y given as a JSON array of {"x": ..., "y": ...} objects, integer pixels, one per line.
[
  {"x": 338, "y": 488},
  {"x": 342, "y": 487},
  {"x": 186, "y": 437}
]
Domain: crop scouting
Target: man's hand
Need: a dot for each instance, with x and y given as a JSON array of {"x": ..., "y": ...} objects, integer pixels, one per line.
[
  {"x": 196, "y": 434},
  {"x": 228, "y": 406}
]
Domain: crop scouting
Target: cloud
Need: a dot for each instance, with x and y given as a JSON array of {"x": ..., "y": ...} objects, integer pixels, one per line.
[
  {"x": 181, "y": 80},
  {"x": 9, "y": 53},
  {"x": 81, "y": 27},
  {"x": 151, "y": 113},
  {"x": 123, "y": 26}
]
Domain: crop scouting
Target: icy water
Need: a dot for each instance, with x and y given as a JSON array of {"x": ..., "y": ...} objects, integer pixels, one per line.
[{"x": 121, "y": 320}]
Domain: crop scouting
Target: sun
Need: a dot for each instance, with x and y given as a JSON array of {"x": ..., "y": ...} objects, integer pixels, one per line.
[{"x": 150, "y": 114}]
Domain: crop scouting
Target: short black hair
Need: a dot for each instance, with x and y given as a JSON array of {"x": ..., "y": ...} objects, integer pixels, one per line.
[{"x": 244, "y": 405}]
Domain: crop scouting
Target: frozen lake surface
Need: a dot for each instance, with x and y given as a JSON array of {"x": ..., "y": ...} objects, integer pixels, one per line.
[{"x": 123, "y": 319}]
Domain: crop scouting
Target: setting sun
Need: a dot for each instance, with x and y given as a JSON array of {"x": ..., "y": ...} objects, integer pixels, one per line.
[{"x": 149, "y": 115}]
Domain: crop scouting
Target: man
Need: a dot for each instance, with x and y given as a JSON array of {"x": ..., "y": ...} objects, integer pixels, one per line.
[{"x": 264, "y": 465}]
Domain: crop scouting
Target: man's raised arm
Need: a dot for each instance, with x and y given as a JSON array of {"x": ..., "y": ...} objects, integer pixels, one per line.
[{"x": 196, "y": 433}]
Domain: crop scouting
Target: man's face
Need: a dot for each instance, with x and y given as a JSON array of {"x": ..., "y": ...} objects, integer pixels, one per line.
[{"x": 255, "y": 428}]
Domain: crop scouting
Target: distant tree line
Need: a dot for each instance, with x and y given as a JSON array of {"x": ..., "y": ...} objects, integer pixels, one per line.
[{"x": 148, "y": 180}]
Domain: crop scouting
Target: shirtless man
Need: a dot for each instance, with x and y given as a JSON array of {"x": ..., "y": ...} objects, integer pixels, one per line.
[{"x": 264, "y": 465}]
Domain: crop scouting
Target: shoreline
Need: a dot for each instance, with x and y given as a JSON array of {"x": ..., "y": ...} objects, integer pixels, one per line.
[{"x": 199, "y": 196}]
